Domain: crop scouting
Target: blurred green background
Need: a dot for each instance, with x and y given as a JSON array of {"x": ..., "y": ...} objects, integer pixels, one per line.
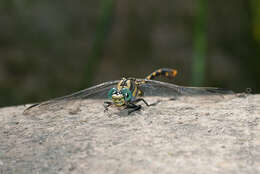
[{"x": 52, "y": 48}]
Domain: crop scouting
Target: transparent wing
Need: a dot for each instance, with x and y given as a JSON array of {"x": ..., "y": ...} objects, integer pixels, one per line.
[
  {"x": 72, "y": 100},
  {"x": 189, "y": 94},
  {"x": 149, "y": 87}
]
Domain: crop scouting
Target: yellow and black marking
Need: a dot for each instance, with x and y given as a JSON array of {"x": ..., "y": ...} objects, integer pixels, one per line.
[
  {"x": 167, "y": 72},
  {"x": 131, "y": 85}
]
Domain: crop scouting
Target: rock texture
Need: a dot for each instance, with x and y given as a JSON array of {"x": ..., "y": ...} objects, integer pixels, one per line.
[{"x": 174, "y": 136}]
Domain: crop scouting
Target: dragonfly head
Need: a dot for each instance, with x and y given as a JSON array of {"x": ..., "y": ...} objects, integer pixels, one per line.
[{"x": 120, "y": 97}]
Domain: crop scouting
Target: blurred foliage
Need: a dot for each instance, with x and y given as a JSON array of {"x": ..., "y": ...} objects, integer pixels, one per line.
[
  {"x": 200, "y": 43},
  {"x": 256, "y": 19},
  {"x": 52, "y": 48},
  {"x": 103, "y": 28}
]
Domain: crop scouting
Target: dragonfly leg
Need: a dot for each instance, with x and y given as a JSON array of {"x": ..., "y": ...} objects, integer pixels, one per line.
[
  {"x": 145, "y": 102},
  {"x": 107, "y": 104},
  {"x": 133, "y": 107}
]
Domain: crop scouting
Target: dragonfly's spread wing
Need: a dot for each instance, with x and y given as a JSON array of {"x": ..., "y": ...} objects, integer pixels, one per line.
[
  {"x": 158, "y": 88},
  {"x": 97, "y": 91}
]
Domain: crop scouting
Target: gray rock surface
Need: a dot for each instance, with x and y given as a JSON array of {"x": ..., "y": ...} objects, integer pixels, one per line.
[{"x": 174, "y": 136}]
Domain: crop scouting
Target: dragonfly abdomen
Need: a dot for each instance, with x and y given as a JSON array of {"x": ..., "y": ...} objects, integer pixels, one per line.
[{"x": 166, "y": 72}]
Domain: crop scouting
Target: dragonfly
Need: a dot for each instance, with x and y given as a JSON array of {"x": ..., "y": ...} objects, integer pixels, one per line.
[{"x": 128, "y": 92}]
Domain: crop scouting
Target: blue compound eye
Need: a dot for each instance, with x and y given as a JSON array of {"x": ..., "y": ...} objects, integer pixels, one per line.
[
  {"x": 127, "y": 94},
  {"x": 111, "y": 92}
]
